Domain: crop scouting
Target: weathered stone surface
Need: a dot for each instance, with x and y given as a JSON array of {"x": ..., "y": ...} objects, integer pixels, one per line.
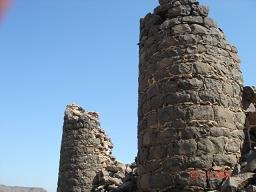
[
  {"x": 86, "y": 162},
  {"x": 193, "y": 119},
  {"x": 200, "y": 10},
  {"x": 190, "y": 100},
  {"x": 193, "y": 19},
  {"x": 180, "y": 10},
  {"x": 85, "y": 150},
  {"x": 181, "y": 29},
  {"x": 208, "y": 22},
  {"x": 199, "y": 29}
]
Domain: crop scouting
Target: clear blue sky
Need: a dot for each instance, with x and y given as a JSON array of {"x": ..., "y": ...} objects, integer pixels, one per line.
[{"x": 56, "y": 52}]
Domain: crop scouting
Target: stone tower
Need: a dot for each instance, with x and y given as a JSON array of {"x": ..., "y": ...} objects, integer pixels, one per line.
[
  {"x": 85, "y": 150},
  {"x": 190, "y": 128}
]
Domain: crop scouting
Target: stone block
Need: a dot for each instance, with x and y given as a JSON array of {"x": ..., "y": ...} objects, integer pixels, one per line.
[
  {"x": 187, "y": 39},
  {"x": 210, "y": 96},
  {"x": 240, "y": 120},
  {"x": 224, "y": 117},
  {"x": 190, "y": 84},
  {"x": 169, "y": 23},
  {"x": 169, "y": 86},
  {"x": 218, "y": 143},
  {"x": 228, "y": 89},
  {"x": 157, "y": 152},
  {"x": 208, "y": 22},
  {"x": 193, "y": 19},
  {"x": 173, "y": 98},
  {"x": 205, "y": 146},
  {"x": 181, "y": 29},
  {"x": 185, "y": 147},
  {"x": 146, "y": 140},
  {"x": 229, "y": 160},
  {"x": 162, "y": 10},
  {"x": 202, "y": 68},
  {"x": 144, "y": 182},
  {"x": 193, "y": 177},
  {"x": 152, "y": 119},
  {"x": 199, "y": 161},
  {"x": 171, "y": 113},
  {"x": 193, "y": 132},
  {"x": 173, "y": 163},
  {"x": 179, "y": 11},
  {"x": 182, "y": 69},
  {"x": 233, "y": 146},
  {"x": 201, "y": 112},
  {"x": 150, "y": 20},
  {"x": 215, "y": 131},
  {"x": 200, "y": 10},
  {"x": 143, "y": 154},
  {"x": 165, "y": 62},
  {"x": 156, "y": 102},
  {"x": 168, "y": 135},
  {"x": 165, "y": 43},
  {"x": 198, "y": 29}
]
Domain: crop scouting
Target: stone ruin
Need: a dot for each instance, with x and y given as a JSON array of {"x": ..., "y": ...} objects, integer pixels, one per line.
[
  {"x": 190, "y": 99},
  {"x": 196, "y": 122},
  {"x": 86, "y": 162}
]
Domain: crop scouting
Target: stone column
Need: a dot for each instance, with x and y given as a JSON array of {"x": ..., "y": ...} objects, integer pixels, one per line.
[
  {"x": 190, "y": 117},
  {"x": 85, "y": 150}
]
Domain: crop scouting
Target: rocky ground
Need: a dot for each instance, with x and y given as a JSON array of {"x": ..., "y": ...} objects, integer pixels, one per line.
[{"x": 4, "y": 188}]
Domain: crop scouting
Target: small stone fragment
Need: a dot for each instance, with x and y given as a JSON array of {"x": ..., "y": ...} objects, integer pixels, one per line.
[{"x": 181, "y": 29}]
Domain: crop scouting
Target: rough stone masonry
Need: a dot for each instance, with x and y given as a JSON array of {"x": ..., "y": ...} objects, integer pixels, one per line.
[
  {"x": 191, "y": 121},
  {"x": 85, "y": 150},
  {"x": 86, "y": 161},
  {"x": 196, "y": 129}
]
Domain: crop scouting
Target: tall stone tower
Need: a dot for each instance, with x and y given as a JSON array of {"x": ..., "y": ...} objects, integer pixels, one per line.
[
  {"x": 85, "y": 150},
  {"x": 190, "y": 128}
]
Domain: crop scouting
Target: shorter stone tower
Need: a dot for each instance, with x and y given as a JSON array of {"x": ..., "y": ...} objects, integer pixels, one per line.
[
  {"x": 85, "y": 150},
  {"x": 86, "y": 161}
]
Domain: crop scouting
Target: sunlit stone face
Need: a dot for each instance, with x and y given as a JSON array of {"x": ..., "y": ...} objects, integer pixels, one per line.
[{"x": 190, "y": 114}]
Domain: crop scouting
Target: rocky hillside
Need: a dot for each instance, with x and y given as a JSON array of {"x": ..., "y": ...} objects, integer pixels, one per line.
[{"x": 20, "y": 189}]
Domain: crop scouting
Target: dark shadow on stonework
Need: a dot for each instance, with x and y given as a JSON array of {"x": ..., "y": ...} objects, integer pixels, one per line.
[
  {"x": 96, "y": 183},
  {"x": 248, "y": 148},
  {"x": 243, "y": 177}
]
